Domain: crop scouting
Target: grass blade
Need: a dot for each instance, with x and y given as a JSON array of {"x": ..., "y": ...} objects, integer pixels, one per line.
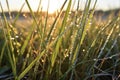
[{"x": 31, "y": 65}]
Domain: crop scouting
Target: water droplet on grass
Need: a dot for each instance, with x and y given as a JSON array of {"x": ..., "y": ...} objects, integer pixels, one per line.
[
  {"x": 95, "y": 59},
  {"x": 67, "y": 55},
  {"x": 110, "y": 57},
  {"x": 14, "y": 43},
  {"x": 90, "y": 23},
  {"x": 53, "y": 38},
  {"x": 18, "y": 51},
  {"x": 70, "y": 13},
  {"x": 117, "y": 27},
  {"x": 16, "y": 36},
  {"x": 12, "y": 38},
  {"x": 119, "y": 34},
  {"x": 83, "y": 50},
  {"x": 77, "y": 26},
  {"x": 43, "y": 60}
]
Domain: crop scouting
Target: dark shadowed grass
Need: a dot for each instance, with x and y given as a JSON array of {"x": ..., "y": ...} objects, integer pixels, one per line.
[{"x": 71, "y": 47}]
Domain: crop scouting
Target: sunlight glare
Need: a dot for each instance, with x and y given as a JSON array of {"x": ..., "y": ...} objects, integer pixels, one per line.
[{"x": 54, "y": 5}]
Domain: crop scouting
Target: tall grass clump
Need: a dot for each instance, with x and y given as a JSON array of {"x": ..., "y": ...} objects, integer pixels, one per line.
[{"x": 70, "y": 47}]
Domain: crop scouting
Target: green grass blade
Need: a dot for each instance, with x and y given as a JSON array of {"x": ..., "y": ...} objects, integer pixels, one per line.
[
  {"x": 27, "y": 40},
  {"x": 10, "y": 47},
  {"x": 112, "y": 25},
  {"x": 55, "y": 22},
  {"x": 57, "y": 44},
  {"x": 61, "y": 31},
  {"x": 31, "y": 11},
  {"x": 32, "y": 29},
  {"x": 31, "y": 65},
  {"x": 9, "y": 9},
  {"x": 18, "y": 15},
  {"x": 2, "y": 52},
  {"x": 80, "y": 34}
]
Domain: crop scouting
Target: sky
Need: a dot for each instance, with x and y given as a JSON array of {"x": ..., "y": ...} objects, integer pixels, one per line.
[{"x": 54, "y": 5}]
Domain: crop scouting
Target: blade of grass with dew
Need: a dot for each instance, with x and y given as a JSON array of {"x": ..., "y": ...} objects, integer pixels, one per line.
[
  {"x": 107, "y": 40},
  {"x": 10, "y": 47},
  {"x": 32, "y": 29},
  {"x": 31, "y": 11},
  {"x": 88, "y": 25},
  {"x": 27, "y": 39},
  {"x": 33, "y": 15},
  {"x": 7, "y": 35},
  {"x": 83, "y": 24},
  {"x": 13, "y": 26},
  {"x": 55, "y": 22},
  {"x": 45, "y": 26},
  {"x": 105, "y": 44},
  {"x": 109, "y": 52},
  {"x": 74, "y": 34},
  {"x": 42, "y": 30},
  {"x": 27, "y": 57},
  {"x": 59, "y": 40},
  {"x": 74, "y": 43},
  {"x": 58, "y": 43},
  {"x": 111, "y": 24},
  {"x": 46, "y": 18},
  {"x": 34, "y": 19},
  {"x": 72, "y": 67},
  {"x": 81, "y": 35},
  {"x": 112, "y": 45},
  {"x": 100, "y": 31},
  {"x": 31, "y": 65},
  {"x": 88, "y": 22},
  {"x": 93, "y": 45},
  {"x": 97, "y": 36},
  {"x": 80, "y": 32}
]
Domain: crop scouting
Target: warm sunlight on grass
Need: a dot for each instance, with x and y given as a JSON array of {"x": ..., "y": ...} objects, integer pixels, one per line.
[
  {"x": 52, "y": 5},
  {"x": 68, "y": 45}
]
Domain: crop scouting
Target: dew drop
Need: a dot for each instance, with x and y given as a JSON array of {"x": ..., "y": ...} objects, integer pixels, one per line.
[
  {"x": 16, "y": 36},
  {"x": 17, "y": 51},
  {"x": 24, "y": 15},
  {"x": 117, "y": 27},
  {"x": 83, "y": 50},
  {"x": 95, "y": 59},
  {"x": 43, "y": 60},
  {"x": 72, "y": 36},
  {"x": 53, "y": 38},
  {"x": 49, "y": 25},
  {"x": 66, "y": 55},
  {"x": 110, "y": 57},
  {"x": 12, "y": 38},
  {"x": 70, "y": 13},
  {"x": 90, "y": 23},
  {"x": 119, "y": 34},
  {"x": 77, "y": 25},
  {"x": 14, "y": 43},
  {"x": 66, "y": 49}
]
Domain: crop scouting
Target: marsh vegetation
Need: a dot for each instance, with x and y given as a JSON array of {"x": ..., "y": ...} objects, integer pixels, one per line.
[{"x": 63, "y": 47}]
